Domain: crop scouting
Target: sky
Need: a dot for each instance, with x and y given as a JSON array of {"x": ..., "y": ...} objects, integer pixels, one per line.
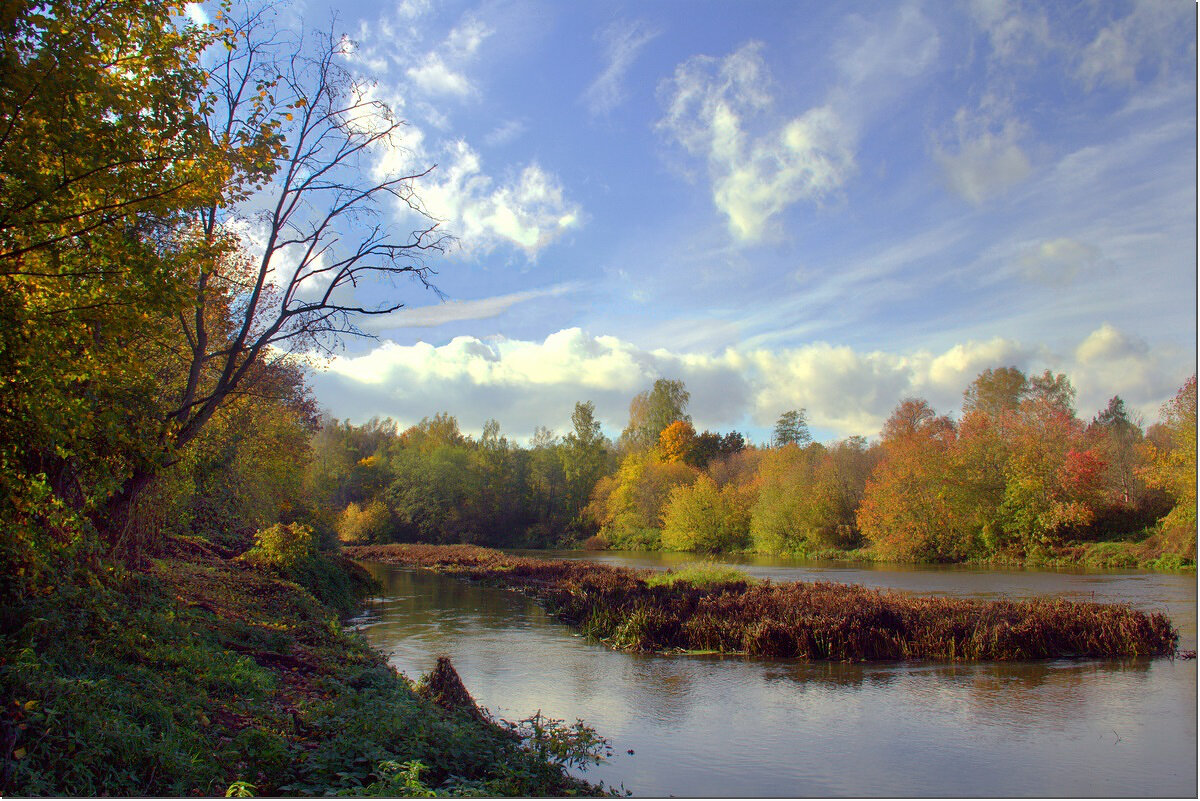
[{"x": 827, "y": 206}]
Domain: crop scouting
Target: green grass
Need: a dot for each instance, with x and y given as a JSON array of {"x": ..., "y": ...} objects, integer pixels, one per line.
[
  {"x": 206, "y": 676},
  {"x": 700, "y": 574}
]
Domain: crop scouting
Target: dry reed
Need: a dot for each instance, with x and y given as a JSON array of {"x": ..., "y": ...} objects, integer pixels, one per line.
[{"x": 801, "y": 620}]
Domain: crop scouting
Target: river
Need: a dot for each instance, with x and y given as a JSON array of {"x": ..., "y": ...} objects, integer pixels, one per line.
[{"x": 734, "y": 727}]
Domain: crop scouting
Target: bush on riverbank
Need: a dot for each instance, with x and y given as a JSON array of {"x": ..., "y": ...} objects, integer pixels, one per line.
[
  {"x": 815, "y": 621},
  {"x": 199, "y": 675}
]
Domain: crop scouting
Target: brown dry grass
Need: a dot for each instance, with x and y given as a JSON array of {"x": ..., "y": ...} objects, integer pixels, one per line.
[{"x": 803, "y": 620}]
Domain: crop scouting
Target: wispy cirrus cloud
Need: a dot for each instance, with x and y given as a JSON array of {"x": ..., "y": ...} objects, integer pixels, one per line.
[
  {"x": 452, "y": 311},
  {"x": 622, "y": 41}
]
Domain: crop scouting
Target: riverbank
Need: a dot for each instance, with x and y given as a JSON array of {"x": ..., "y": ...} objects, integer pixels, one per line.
[
  {"x": 202, "y": 674},
  {"x": 1157, "y": 551},
  {"x": 814, "y": 621}
]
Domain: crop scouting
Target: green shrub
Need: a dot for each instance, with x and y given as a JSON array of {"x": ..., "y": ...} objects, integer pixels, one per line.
[
  {"x": 357, "y": 525},
  {"x": 283, "y": 545},
  {"x": 704, "y": 517}
]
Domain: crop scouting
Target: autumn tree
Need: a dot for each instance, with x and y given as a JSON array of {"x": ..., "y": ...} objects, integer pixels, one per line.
[
  {"x": 710, "y": 446},
  {"x": 995, "y": 392},
  {"x": 785, "y": 476},
  {"x": 629, "y": 506},
  {"x": 1172, "y": 467},
  {"x": 299, "y": 135},
  {"x": 1118, "y": 437},
  {"x": 908, "y": 510},
  {"x": 100, "y": 151},
  {"x": 677, "y": 441},
  {"x": 1053, "y": 481}
]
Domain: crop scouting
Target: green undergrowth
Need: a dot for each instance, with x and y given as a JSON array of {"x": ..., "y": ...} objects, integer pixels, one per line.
[{"x": 211, "y": 676}]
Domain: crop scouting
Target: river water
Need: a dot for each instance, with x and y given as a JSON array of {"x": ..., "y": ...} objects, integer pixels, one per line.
[{"x": 730, "y": 726}]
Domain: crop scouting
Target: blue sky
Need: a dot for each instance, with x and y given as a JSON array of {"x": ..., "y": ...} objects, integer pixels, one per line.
[{"x": 785, "y": 204}]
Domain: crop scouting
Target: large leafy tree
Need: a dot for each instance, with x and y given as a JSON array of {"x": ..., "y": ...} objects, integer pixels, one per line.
[
  {"x": 995, "y": 392},
  {"x": 102, "y": 153},
  {"x": 584, "y": 456},
  {"x": 653, "y": 410},
  {"x": 704, "y": 517},
  {"x": 792, "y": 428}
]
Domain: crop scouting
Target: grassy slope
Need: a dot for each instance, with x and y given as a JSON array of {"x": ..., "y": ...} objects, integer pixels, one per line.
[{"x": 201, "y": 672}]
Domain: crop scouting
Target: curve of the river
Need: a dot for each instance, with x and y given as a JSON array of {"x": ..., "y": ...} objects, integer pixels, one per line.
[{"x": 712, "y": 726}]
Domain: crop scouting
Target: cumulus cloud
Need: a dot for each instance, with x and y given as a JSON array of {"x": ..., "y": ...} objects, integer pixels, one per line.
[
  {"x": 711, "y": 106},
  {"x": 622, "y": 41},
  {"x": 986, "y": 160},
  {"x": 528, "y": 210},
  {"x": 759, "y": 161},
  {"x": 525, "y": 384},
  {"x": 433, "y": 77}
]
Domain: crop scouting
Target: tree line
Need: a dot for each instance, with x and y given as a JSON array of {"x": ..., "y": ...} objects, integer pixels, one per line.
[{"x": 1016, "y": 476}]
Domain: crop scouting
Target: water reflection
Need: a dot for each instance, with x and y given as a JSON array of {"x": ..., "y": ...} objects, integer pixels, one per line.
[{"x": 729, "y": 726}]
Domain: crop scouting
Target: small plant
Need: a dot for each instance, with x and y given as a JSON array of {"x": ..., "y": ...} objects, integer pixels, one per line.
[
  {"x": 240, "y": 789},
  {"x": 570, "y": 745},
  {"x": 398, "y": 780}
]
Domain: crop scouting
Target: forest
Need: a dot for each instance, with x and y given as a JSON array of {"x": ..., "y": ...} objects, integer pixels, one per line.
[
  {"x": 1016, "y": 478},
  {"x": 173, "y": 501}
]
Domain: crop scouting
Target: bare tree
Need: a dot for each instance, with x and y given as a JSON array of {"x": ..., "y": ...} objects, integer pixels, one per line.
[{"x": 301, "y": 139}]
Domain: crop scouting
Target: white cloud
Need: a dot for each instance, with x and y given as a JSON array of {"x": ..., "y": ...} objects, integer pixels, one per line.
[
  {"x": 1058, "y": 262},
  {"x": 433, "y": 77},
  {"x": 196, "y": 13},
  {"x": 459, "y": 310},
  {"x": 529, "y": 210},
  {"x": 525, "y": 384},
  {"x": 883, "y": 50},
  {"x": 1016, "y": 34},
  {"x": 465, "y": 39},
  {"x": 622, "y": 42},
  {"x": 1150, "y": 38},
  {"x": 440, "y": 72},
  {"x": 711, "y": 104},
  {"x": 504, "y": 133},
  {"x": 987, "y": 161}
]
